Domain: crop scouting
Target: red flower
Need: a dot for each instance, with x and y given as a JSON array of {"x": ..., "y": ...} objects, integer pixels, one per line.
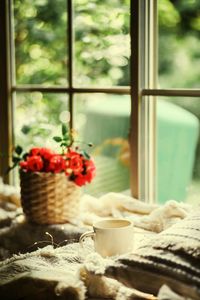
[
  {"x": 87, "y": 175},
  {"x": 46, "y": 153},
  {"x": 34, "y": 163},
  {"x": 80, "y": 180},
  {"x": 57, "y": 164},
  {"x": 23, "y": 165},
  {"x": 34, "y": 151},
  {"x": 74, "y": 163},
  {"x": 90, "y": 170}
]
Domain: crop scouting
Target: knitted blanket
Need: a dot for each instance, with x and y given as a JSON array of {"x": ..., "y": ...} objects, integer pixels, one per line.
[{"x": 70, "y": 272}]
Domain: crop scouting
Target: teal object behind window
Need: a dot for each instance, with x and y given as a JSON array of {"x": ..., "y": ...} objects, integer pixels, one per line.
[{"x": 177, "y": 136}]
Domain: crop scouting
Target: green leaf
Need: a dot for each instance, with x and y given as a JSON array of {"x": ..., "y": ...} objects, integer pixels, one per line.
[
  {"x": 25, "y": 156},
  {"x": 58, "y": 139},
  {"x": 64, "y": 129},
  {"x": 66, "y": 137},
  {"x": 16, "y": 159},
  {"x": 26, "y": 129},
  {"x": 18, "y": 149},
  {"x": 63, "y": 144},
  {"x": 85, "y": 154},
  {"x": 90, "y": 144}
]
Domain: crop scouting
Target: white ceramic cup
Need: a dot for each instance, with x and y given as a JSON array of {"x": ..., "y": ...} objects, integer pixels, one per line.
[{"x": 111, "y": 236}]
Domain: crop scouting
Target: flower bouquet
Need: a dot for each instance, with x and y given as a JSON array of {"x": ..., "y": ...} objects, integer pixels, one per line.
[{"x": 50, "y": 181}]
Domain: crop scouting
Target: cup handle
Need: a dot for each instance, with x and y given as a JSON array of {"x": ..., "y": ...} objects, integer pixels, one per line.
[{"x": 85, "y": 235}]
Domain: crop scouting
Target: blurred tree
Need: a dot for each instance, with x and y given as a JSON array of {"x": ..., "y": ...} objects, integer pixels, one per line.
[
  {"x": 179, "y": 55},
  {"x": 40, "y": 41},
  {"x": 101, "y": 54},
  {"x": 102, "y": 42},
  {"x": 179, "y": 43},
  {"x": 101, "y": 49}
]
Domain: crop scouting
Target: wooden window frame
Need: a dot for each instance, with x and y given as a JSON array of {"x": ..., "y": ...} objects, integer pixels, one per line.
[{"x": 5, "y": 89}]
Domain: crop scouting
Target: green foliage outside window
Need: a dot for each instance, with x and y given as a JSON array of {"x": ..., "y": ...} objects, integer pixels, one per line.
[{"x": 101, "y": 52}]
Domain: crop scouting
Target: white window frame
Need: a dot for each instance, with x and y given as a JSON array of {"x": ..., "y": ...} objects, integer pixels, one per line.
[
  {"x": 144, "y": 66},
  {"x": 146, "y": 93}
]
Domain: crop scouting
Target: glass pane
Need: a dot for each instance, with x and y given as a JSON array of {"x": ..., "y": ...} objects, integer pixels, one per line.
[
  {"x": 102, "y": 42},
  {"x": 178, "y": 149},
  {"x": 37, "y": 118},
  {"x": 179, "y": 44},
  {"x": 40, "y": 41},
  {"x": 104, "y": 121}
]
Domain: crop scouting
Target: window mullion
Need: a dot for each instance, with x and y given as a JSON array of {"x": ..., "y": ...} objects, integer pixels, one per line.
[
  {"x": 148, "y": 61},
  {"x": 70, "y": 57},
  {"x": 171, "y": 92},
  {"x": 135, "y": 97},
  {"x": 5, "y": 88},
  {"x": 152, "y": 129},
  {"x": 62, "y": 89}
]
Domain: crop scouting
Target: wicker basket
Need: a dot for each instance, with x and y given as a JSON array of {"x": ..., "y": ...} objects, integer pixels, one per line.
[{"x": 48, "y": 198}]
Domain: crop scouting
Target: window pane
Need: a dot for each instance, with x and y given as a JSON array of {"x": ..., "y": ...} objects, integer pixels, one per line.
[
  {"x": 37, "y": 118},
  {"x": 104, "y": 121},
  {"x": 40, "y": 41},
  {"x": 178, "y": 149},
  {"x": 179, "y": 44},
  {"x": 102, "y": 42}
]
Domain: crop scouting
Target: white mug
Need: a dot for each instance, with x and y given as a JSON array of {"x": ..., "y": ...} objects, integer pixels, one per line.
[{"x": 111, "y": 236}]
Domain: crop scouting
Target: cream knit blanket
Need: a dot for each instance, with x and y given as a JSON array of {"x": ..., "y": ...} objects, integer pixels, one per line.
[
  {"x": 70, "y": 271},
  {"x": 67, "y": 272}
]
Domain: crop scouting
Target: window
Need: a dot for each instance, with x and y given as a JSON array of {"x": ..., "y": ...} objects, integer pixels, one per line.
[
  {"x": 176, "y": 102},
  {"x": 71, "y": 58},
  {"x": 178, "y": 117},
  {"x": 87, "y": 73}
]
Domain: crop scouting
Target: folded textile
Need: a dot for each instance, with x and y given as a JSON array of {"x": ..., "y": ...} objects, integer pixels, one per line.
[
  {"x": 63, "y": 272},
  {"x": 165, "y": 293},
  {"x": 150, "y": 217},
  {"x": 171, "y": 257}
]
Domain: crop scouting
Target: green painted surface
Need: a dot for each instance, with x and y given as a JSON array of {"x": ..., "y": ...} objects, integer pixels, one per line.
[
  {"x": 177, "y": 135},
  {"x": 107, "y": 119}
]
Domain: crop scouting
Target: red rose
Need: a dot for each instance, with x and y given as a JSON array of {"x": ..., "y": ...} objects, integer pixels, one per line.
[
  {"x": 80, "y": 180},
  {"x": 46, "y": 153},
  {"x": 34, "y": 151},
  {"x": 89, "y": 173},
  {"x": 23, "y": 165},
  {"x": 90, "y": 170},
  {"x": 57, "y": 164},
  {"x": 89, "y": 176},
  {"x": 90, "y": 165},
  {"x": 34, "y": 163},
  {"x": 74, "y": 163}
]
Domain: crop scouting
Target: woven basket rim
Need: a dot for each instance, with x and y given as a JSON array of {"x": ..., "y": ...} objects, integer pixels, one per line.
[{"x": 43, "y": 174}]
